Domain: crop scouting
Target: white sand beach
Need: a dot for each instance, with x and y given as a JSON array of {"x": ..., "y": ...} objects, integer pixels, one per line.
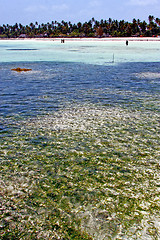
[
  {"x": 89, "y": 39},
  {"x": 109, "y": 39}
]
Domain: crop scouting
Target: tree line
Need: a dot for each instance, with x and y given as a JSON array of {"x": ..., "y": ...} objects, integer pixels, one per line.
[{"x": 92, "y": 28}]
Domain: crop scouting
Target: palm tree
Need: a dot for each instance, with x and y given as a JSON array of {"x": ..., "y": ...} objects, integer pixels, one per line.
[
  {"x": 110, "y": 20},
  {"x": 88, "y": 29},
  {"x": 36, "y": 23},
  {"x": 150, "y": 18},
  {"x": 31, "y": 25},
  {"x": 99, "y": 31},
  {"x": 93, "y": 21},
  {"x": 79, "y": 25},
  {"x": 157, "y": 20}
]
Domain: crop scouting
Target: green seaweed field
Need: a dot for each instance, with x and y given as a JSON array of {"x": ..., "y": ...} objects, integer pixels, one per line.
[{"x": 84, "y": 172}]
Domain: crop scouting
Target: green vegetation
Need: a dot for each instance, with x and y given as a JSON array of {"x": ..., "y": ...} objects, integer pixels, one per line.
[
  {"x": 85, "y": 172},
  {"x": 92, "y": 28}
]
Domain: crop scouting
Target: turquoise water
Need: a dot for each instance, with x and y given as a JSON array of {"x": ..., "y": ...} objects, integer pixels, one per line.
[
  {"x": 79, "y": 138},
  {"x": 80, "y": 51}
]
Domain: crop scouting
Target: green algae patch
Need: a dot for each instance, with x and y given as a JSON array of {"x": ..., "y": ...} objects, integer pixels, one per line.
[{"x": 84, "y": 172}]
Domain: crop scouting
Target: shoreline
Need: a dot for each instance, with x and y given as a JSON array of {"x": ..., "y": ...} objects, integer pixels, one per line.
[{"x": 85, "y": 39}]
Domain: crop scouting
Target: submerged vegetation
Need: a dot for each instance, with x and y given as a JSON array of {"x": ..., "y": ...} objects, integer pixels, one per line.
[
  {"x": 85, "y": 172},
  {"x": 79, "y": 148},
  {"x": 92, "y": 28}
]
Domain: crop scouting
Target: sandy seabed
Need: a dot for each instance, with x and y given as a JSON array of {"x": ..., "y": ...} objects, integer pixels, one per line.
[{"x": 89, "y": 39}]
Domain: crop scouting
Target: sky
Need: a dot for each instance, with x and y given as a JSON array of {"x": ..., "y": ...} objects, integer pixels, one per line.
[{"x": 43, "y": 11}]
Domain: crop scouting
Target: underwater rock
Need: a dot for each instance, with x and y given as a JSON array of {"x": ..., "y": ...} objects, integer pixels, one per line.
[{"x": 21, "y": 69}]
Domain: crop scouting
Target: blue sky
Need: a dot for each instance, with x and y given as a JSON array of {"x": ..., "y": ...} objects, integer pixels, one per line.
[{"x": 43, "y": 11}]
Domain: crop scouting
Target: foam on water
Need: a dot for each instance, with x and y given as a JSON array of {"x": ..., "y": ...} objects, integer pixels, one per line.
[{"x": 150, "y": 75}]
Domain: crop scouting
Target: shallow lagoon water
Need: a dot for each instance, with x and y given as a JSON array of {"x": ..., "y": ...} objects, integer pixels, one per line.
[
  {"x": 80, "y": 51},
  {"x": 80, "y": 140}
]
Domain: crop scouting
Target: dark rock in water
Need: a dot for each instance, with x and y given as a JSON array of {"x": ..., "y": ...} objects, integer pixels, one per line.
[{"x": 21, "y": 69}]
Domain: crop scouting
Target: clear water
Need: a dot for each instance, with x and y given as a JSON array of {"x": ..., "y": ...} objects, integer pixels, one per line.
[
  {"x": 89, "y": 123},
  {"x": 80, "y": 51}
]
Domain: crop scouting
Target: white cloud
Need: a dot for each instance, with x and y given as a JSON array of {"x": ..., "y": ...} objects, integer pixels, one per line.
[
  {"x": 35, "y": 8},
  {"x": 95, "y": 3},
  {"x": 60, "y": 7},
  {"x": 142, "y": 2},
  {"x": 45, "y": 8}
]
